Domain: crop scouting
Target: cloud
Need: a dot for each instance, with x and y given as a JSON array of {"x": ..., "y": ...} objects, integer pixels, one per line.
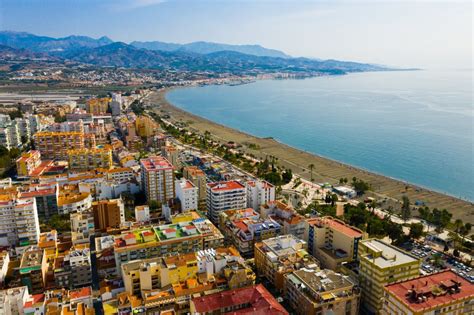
[{"x": 126, "y": 5}]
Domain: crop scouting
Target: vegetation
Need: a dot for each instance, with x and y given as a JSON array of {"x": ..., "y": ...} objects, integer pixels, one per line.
[
  {"x": 58, "y": 222},
  {"x": 321, "y": 209},
  {"x": 439, "y": 218},
  {"x": 360, "y": 186},
  {"x": 406, "y": 211},
  {"x": 7, "y": 157}
]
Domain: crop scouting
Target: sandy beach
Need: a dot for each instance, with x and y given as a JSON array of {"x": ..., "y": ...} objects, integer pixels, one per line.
[{"x": 325, "y": 170}]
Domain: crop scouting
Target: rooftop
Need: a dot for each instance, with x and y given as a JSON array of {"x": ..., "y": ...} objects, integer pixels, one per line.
[
  {"x": 338, "y": 225},
  {"x": 258, "y": 299},
  {"x": 321, "y": 281},
  {"x": 385, "y": 255},
  {"x": 155, "y": 163},
  {"x": 432, "y": 291},
  {"x": 223, "y": 186}
]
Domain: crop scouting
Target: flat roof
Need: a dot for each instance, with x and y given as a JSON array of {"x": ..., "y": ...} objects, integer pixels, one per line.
[
  {"x": 438, "y": 289},
  {"x": 337, "y": 225},
  {"x": 156, "y": 163},
  {"x": 390, "y": 255}
]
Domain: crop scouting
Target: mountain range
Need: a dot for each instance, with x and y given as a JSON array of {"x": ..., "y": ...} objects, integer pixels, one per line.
[{"x": 197, "y": 56}]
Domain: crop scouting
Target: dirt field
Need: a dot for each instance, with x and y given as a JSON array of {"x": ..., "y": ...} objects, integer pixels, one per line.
[{"x": 325, "y": 170}]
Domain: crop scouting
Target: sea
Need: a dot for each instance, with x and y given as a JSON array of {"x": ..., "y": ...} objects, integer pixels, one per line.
[{"x": 415, "y": 126}]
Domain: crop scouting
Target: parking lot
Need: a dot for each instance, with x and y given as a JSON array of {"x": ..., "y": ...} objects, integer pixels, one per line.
[{"x": 434, "y": 261}]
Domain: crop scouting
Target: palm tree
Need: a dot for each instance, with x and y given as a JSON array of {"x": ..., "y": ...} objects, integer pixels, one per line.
[
  {"x": 311, "y": 166},
  {"x": 458, "y": 224}
]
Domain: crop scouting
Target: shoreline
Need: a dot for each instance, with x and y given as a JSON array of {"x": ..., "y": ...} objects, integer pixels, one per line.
[{"x": 325, "y": 169}]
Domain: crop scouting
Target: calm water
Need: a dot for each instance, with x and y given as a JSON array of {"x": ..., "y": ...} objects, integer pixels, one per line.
[{"x": 416, "y": 126}]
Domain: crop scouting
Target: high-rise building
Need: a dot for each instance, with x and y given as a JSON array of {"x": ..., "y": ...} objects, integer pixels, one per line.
[
  {"x": 46, "y": 196},
  {"x": 198, "y": 178},
  {"x": 89, "y": 159},
  {"x": 223, "y": 196},
  {"x": 32, "y": 267},
  {"x": 444, "y": 292},
  {"x": 171, "y": 153},
  {"x": 108, "y": 213},
  {"x": 98, "y": 106},
  {"x": 145, "y": 126},
  {"x": 332, "y": 241},
  {"x": 157, "y": 178},
  {"x": 19, "y": 223},
  {"x": 116, "y": 104},
  {"x": 55, "y": 145},
  {"x": 82, "y": 227},
  {"x": 259, "y": 192},
  {"x": 382, "y": 264},
  {"x": 9, "y": 133},
  {"x": 187, "y": 194}
]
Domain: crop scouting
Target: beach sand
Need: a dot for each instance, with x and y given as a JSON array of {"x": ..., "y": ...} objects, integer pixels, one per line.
[{"x": 325, "y": 170}]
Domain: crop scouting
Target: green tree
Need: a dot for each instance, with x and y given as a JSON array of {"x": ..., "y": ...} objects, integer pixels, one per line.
[
  {"x": 406, "y": 211},
  {"x": 311, "y": 167},
  {"x": 416, "y": 231}
]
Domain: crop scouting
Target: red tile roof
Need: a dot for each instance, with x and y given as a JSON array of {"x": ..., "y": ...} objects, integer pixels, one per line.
[
  {"x": 156, "y": 163},
  {"x": 260, "y": 300},
  {"x": 337, "y": 225},
  {"x": 223, "y": 186},
  {"x": 427, "y": 285}
]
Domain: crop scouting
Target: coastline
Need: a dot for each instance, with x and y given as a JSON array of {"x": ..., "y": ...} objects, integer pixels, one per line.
[{"x": 325, "y": 169}]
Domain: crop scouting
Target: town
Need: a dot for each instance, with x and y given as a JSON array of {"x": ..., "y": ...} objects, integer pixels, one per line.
[{"x": 109, "y": 207}]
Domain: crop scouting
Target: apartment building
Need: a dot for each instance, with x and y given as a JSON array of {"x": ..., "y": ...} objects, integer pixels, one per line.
[
  {"x": 171, "y": 153},
  {"x": 108, "y": 213},
  {"x": 198, "y": 178},
  {"x": 244, "y": 231},
  {"x": 142, "y": 214},
  {"x": 187, "y": 194},
  {"x": 82, "y": 227},
  {"x": 312, "y": 292},
  {"x": 223, "y": 196},
  {"x": 382, "y": 264},
  {"x": 259, "y": 192},
  {"x": 27, "y": 162},
  {"x": 46, "y": 196},
  {"x": 290, "y": 221},
  {"x": 32, "y": 266},
  {"x": 10, "y": 136},
  {"x": 275, "y": 257},
  {"x": 88, "y": 159},
  {"x": 79, "y": 263},
  {"x": 12, "y": 300},
  {"x": 71, "y": 201},
  {"x": 19, "y": 223},
  {"x": 440, "y": 293},
  {"x": 98, "y": 106},
  {"x": 249, "y": 300},
  {"x": 55, "y": 145},
  {"x": 332, "y": 241},
  {"x": 157, "y": 178},
  {"x": 4, "y": 261},
  {"x": 145, "y": 126},
  {"x": 183, "y": 237}
]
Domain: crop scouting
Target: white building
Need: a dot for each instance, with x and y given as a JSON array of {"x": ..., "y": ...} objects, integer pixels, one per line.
[
  {"x": 24, "y": 130},
  {"x": 19, "y": 224},
  {"x": 82, "y": 227},
  {"x": 116, "y": 104},
  {"x": 224, "y": 196},
  {"x": 259, "y": 192},
  {"x": 142, "y": 213},
  {"x": 4, "y": 261},
  {"x": 157, "y": 179},
  {"x": 12, "y": 300},
  {"x": 187, "y": 194}
]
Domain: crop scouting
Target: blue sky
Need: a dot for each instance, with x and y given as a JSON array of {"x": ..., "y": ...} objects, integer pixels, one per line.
[{"x": 433, "y": 34}]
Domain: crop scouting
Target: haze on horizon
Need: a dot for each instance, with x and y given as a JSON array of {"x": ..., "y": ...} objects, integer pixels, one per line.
[{"x": 426, "y": 34}]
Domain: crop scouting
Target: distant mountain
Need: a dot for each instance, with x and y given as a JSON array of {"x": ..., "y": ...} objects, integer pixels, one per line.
[
  {"x": 9, "y": 53},
  {"x": 123, "y": 55},
  {"x": 208, "y": 47},
  {"x": 22, "y": 40}
]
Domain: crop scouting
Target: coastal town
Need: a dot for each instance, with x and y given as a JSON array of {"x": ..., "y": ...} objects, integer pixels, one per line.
[{"x": 111, "y": 203}]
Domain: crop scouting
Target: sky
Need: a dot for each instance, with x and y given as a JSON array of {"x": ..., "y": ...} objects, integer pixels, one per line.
[{"x": 425, "y": 34}]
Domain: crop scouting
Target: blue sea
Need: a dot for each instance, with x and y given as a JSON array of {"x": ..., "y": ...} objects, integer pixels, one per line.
[{"x": 416, "y": 126}]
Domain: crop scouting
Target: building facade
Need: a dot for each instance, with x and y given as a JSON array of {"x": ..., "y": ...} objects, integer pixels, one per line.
[
  {"x": 157, "y": 179},
  {"x": 223, "y": 196}
]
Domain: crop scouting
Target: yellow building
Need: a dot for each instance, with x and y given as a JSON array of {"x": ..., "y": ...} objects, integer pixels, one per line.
[
  {"x": 440, "y": 293},
  {"x": 198, "y": 178},
  {"x": 382, "y": 264},
  {"x": 220, "y": 267},
  {"x": 55, "y": 145},
  {"x": 27, "y": 162},
  {"x": 275, "y": 257},
  {"x": 98, "y": 106},
  {"x": 88, "y": 159},
  {"x": 145, "y": 126},
  {"x": 332, "y": 241},
  {"x": 313, "y": 292}
]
